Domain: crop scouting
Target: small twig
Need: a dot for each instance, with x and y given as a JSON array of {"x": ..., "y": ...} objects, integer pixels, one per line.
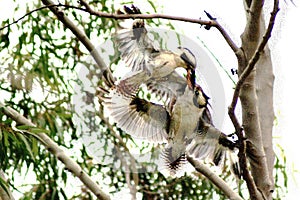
[
  {"x": 27, "y": 14},
  {"x": 215, "y": 179}
]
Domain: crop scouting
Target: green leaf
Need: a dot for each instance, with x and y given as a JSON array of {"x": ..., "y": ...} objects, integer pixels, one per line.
[
  {"x": 4, "y": 186},
  {"x": 32, "y": 129},
  {"x": 27, "y": 145}
]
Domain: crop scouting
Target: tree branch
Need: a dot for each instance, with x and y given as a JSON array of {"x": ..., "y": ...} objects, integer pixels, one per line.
[
  {"x": 215, "y": 179},
  {"x": 252, "y": 63},
  {"x": 253, "y": 11},
  {"x": 54, "y": 8},
  {"x": 83, "y": 38},
  {"x": 52, "y": 147},
  {"x": 252, "y": 151}
]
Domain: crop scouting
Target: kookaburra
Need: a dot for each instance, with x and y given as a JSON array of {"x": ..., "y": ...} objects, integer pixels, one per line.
[
  {"x": 147, "y": 62},
  {"x": 186, "y": 128},
  {"x": 185, "y": 124}
]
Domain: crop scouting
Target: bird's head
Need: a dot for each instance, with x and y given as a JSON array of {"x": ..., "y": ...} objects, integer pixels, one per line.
[
  {"x": 200, "y": 99},
  {"x": 231, "y": 141}
]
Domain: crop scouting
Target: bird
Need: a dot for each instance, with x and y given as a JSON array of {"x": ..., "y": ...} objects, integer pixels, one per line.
[
  {"x": 184, "y": 123},
  {"x": 185, "y": 128},
  {"x": 147, "y": 62}
]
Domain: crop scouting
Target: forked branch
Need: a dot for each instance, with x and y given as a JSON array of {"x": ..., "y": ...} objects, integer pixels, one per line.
[{"x": 231, "y": 110}]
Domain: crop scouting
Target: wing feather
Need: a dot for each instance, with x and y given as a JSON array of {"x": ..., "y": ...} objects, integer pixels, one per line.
[
  {"x": 205, "y": 145},
  {"x": 135, "y": 47},
  {"x": 138, "y": 117}
]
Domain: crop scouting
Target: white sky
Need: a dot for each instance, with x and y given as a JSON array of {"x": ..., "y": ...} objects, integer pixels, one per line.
[{"x": 285, "y": 45}]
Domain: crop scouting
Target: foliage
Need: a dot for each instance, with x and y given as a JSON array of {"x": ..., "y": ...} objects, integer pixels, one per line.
[{"x": 39, "y": 57}]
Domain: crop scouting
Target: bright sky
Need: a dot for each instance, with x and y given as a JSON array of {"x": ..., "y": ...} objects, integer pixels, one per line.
[{"x": 285, "y": 44}]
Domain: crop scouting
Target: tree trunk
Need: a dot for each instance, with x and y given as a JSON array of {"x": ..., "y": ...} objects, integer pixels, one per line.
[
  {"x": 264, "y": 91},
  {"x": 256, "y": 97}
]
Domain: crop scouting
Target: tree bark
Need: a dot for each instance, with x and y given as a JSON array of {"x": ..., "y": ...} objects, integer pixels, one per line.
[
  {"x": 253, "y": 99},
  {"x": 264, "y": 91}
]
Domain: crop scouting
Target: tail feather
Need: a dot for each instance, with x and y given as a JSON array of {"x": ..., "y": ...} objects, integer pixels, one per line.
[
  {"x": 174, "y": 159},
  {"x": 219, "y": 157},
  {"x": 234, "y": 164}
]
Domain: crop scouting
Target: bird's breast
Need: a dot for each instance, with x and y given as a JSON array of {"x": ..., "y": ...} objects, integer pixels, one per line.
[{"x": 184, "y": 121}]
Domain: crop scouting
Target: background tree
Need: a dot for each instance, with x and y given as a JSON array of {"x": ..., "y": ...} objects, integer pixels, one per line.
[{"x": 41, "y": 142}]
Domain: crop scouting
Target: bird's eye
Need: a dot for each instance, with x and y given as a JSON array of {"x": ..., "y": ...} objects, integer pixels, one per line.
[
  {"x": 196, "y": 92},
  {"x": 234, "y": 138}
]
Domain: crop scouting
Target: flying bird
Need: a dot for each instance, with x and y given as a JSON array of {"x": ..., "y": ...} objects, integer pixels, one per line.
[
  {"x": 184, "y": 122},
  {"x": 146, "y": 61},
  {"x": 186, "y": 127}
]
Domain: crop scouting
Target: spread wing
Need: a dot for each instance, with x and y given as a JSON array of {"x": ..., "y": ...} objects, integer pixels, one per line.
[
  {"x": 134, "y": 44},
  {"x": 205, "y": 144},
  {"x": 169, "y": 86},
  {"x": 138, "y": 117}
]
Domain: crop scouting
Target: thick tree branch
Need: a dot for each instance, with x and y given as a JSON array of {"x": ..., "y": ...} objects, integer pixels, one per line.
[
  {"x": 253, "y": 61},
  {"x": 264, "y": 90},
  {"x": 253, "y": 13},
  {"x": 254, "y": 151},
  {"x": 215, "y": 179},
  {"x": 83, "y": 38},
  {"x": 72, "y": 166}
]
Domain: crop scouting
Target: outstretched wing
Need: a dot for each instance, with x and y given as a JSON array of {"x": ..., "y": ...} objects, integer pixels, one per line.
[
  {"x": 205, "y": 146},
  {"x": 138, "y": 117},
  {"x": 168, "y": 86},
  {"x": 208, "y": 143},
  {"x": 134, "y": 44}
]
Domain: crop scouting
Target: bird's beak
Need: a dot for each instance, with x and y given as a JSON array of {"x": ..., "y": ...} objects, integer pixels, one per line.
[
  {"x": 189, "y": 63},
  {"x": 191, "y": 67},
  {"x": 188, "y": 57}
]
